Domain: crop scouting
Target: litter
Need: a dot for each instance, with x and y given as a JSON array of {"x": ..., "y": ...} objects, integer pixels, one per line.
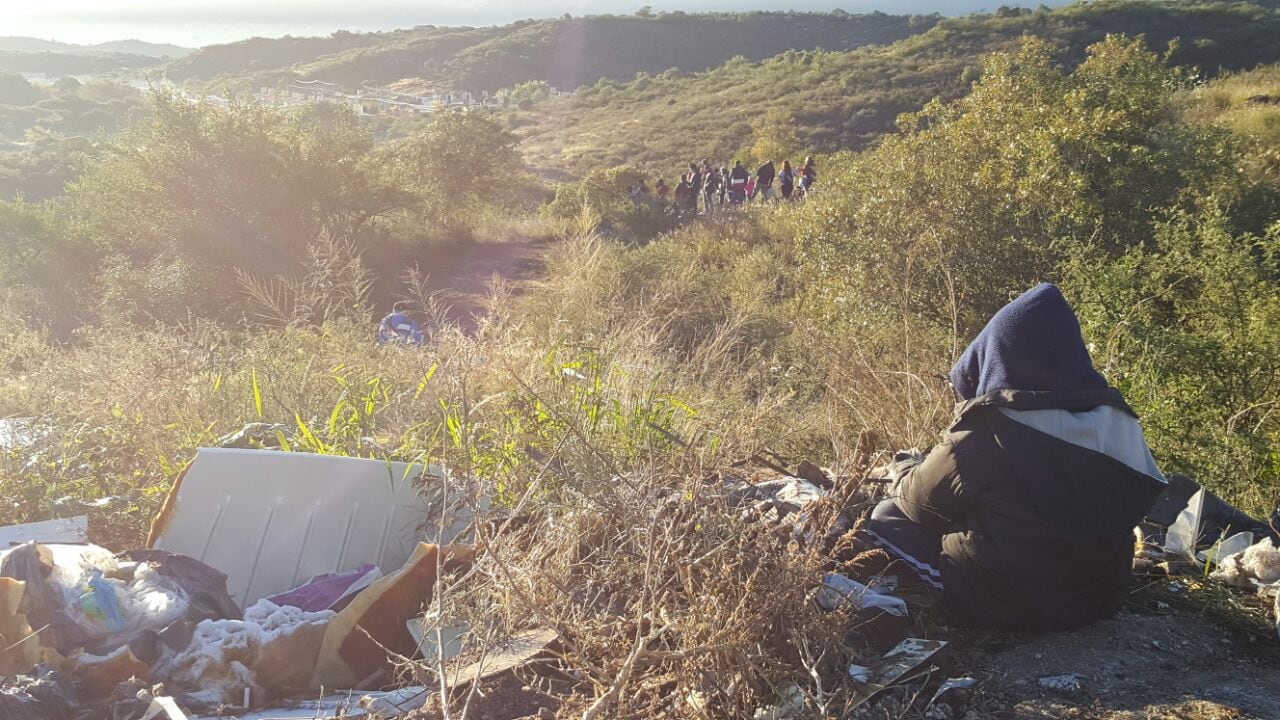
[
  {"x": 1062, "y": 683},
  {"x": 329, "y": 591},
  {"x": 64, "y": 530},
  {"x": 839, "y": 591},
  {"x": 272, "y": 646},
  {"x": 1184, "y": 533},
  {"x": 1196, "y": 518},
  {"x": 20, "y": 649},
  {"x": 1224, "y": 549},
  {"x": 790, "y": 704},
  {"x": 359, "y": 638},
  {"x": 98, "y": 675},
  {"x": 347, "y": 705},
  {"x": 42, "y": 694},
  {"x": 270, "y": 520},
  {"x": 523, "y": 649},
  {"x": 953, "y": 690},
  {"x": 1259, "y": 564},
  {"x": 898, "y": 666},
  {"x": 166, "y": 707},
  {"x": 205, "y": 586},
  {"x": 860, "y": 673},
  {"x": 437, "y": 647}
]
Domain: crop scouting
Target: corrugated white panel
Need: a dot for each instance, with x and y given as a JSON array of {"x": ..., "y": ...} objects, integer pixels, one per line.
[{"x": 271, "y": 520}]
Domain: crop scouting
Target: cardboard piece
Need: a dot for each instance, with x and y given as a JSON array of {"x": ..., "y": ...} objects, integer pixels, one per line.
[
  {"x": 64, "y": 530},
  {"x": 358, "y": 640},
  {"x": 20, "y": 649},
  {"x": 271, "y": 520},
  {"x": 524, "y": 648},
  {"x": 96, "y": 676},
  {"x": 287, "y": 662}
]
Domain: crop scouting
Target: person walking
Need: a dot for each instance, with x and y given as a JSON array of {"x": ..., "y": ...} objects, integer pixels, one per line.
[
  {"x": 764, "y": 180},
  {"x": 787, "y": 180},
  {"x": 808, "y": 176},
  {"x": 738, "y": 179},
  {"x": 710, "y": 187}
]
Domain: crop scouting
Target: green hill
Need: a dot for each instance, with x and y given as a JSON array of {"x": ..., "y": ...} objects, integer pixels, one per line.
[
  {"x": 566, "y": 52},
  {"x": 841, "y": 100},
  {"x": 57, "y": 63},
  {"x": 127, "y": 47}
]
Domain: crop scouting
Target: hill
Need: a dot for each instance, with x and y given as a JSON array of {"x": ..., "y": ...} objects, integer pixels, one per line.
[
  {"x": 566, "y": 52},
  {"x": 58, "y": 64},
  {"x": 827, "y": 101},
  {"x": 127, "y": 47}
]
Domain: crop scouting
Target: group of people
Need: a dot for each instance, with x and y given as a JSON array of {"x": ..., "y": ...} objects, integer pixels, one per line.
[{"x": 704, "y": 188}]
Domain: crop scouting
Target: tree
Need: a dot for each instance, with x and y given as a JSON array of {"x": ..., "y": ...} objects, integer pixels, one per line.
[
  {"x": 67, "y": 85},
  {"x": 16, "y": 90},
  {"x": 1188, "y": 327},
  {"x": 774, "y": 136},
  {"x": 198, "y": 192},
  {"x": 645, "y": 12},
  {"x": 979, "y": 199},
  {"x": 457, "y": 167}
]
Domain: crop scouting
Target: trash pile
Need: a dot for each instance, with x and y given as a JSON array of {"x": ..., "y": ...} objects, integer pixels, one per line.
[
  {"x": 258, "y": 596},
  {"x": 254, "y": 589},
  {"x": 1192, "y": 533}
]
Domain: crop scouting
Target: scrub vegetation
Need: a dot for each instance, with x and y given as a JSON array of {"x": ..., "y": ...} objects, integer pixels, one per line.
[{"x": 213, "y": 269}]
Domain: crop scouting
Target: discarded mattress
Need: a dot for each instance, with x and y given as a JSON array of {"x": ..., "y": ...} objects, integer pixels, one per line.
[{"x": 270, "y": 520}]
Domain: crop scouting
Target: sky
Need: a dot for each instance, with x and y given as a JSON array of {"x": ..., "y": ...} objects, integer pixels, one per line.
[{"x": 203, "y": 22}]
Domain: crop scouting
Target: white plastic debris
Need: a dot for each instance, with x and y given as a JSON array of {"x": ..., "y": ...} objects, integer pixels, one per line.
[
  {"x": 860, "y": 673},
  {"x": 952, "y": 688},
  {"x": 64, "y": 530},
  {"x": 1062, "y": 683},
  {"x": 1180, "y": 541},
  {"x": 1224, "y": 549},
  {"x": 164, "y": 707},
  {"x": 1276, "y": 610},
  {"x": 790, "y": 704},
  {"x": 222, "y": 653},
  {"x": 840, "y": 591},
  {"x": 1257, "y": 565}
]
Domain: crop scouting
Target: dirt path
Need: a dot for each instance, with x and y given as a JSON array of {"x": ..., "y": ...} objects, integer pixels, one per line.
[
  {"x": 1136, "y": 666},
  {"x": 464, "y": 274}
]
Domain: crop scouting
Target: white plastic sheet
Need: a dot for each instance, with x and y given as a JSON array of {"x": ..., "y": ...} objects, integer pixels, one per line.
[
  {"x": 63, "y": 530},
  {"x": 271, "y": 520},
  {"x": 838, "y": 591}
]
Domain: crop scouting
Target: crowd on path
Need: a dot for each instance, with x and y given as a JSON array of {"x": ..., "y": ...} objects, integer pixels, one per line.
[{"x": 705, "y": 189}]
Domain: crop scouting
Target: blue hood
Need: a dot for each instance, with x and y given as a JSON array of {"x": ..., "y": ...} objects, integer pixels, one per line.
[{"x": 1033, "y": 343}]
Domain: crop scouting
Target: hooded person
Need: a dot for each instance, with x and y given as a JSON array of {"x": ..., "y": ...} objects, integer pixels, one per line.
[{"x": 1023, "y": 515}]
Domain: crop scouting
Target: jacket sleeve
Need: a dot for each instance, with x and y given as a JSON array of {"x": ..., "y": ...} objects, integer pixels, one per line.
[{"x": 931, "y": 493}]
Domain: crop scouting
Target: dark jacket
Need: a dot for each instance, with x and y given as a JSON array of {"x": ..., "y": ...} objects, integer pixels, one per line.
[
  {"x": 765, "y": 175},
  {"x": 1037, "y": 486}
]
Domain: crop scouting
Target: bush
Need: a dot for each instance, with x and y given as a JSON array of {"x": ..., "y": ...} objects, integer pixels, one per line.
[
  {"x": 1189, "y": 329},
  {"x": 605, "y": 196}
]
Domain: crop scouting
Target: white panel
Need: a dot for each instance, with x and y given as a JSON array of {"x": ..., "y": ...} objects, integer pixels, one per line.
[
  {"x": 271, "y": 520},
  {"x": 65, "y": 530}
]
